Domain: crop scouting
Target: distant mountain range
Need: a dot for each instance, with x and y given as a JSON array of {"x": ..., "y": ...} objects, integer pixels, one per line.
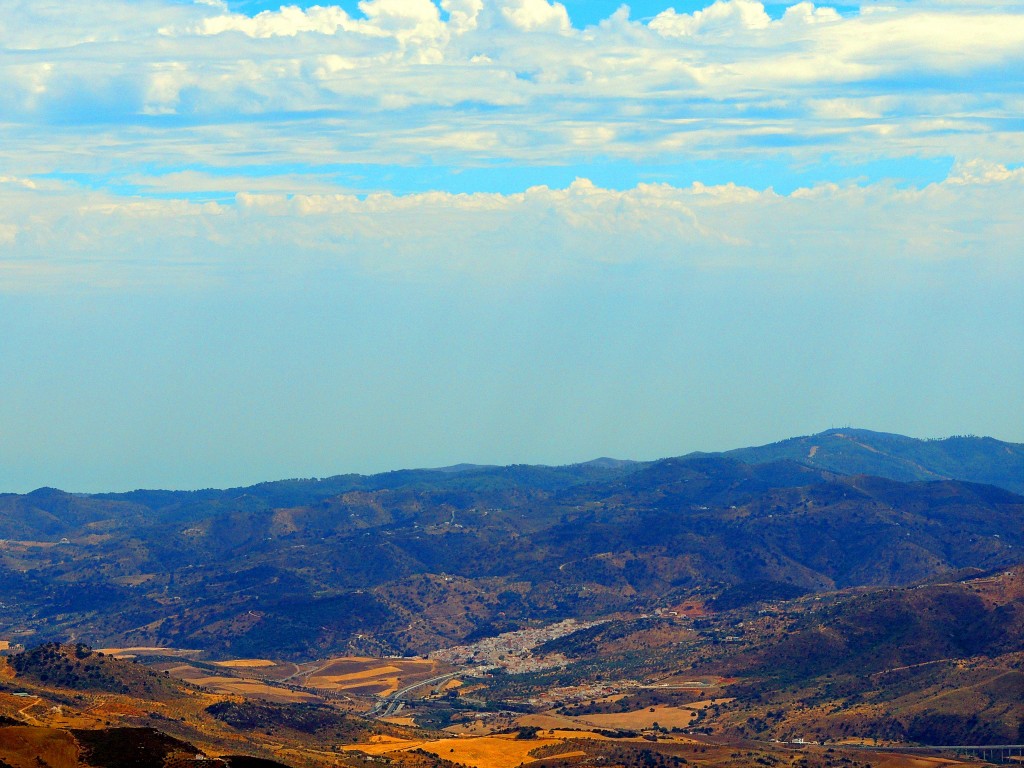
[
  {"x": 412, "y": 560},
  {"x": 845, "y": 451}
]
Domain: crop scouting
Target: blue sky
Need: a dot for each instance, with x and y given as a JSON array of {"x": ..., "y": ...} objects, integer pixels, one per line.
[{"x": 241, "y": 241}]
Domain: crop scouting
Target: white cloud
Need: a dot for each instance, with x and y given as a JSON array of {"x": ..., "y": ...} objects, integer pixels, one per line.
[
  {"x": 806, "y": 13},
  {"x": 20, "y": 182},
  {"x": 503, "y": 79},
  {"x": 533, "y": 15},
  {"x": 983, "y": 172},
  {"x": 876, "y": 233},
  {"x": 462, "y": 14},
  {"x": 289, "y": 21},
  {"x": 722, "y": 16}
]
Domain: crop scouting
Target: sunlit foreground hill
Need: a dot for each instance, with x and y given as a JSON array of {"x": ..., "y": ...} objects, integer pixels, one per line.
[{"x": 703, "y": 610}]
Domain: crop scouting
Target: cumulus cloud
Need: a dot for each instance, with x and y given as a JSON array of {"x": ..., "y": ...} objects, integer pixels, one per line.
[
  {"x": 530, "y": 15},
  {"x": 721, "y": 16},
  {"x": 873, "y": 232},
  {"x": 416, "y": 21},
  {"x": 170, "y": 130},
  {"x": 462, "y": 14},
  {"x": 471, "y": 81},
  {"x": 983, "y": 172},
  {"x": 289, "y": 21}
]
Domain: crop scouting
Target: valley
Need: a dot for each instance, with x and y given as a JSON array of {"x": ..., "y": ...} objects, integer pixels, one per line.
[
  {"x": 692, "y": 611},
  {"x": 664, "y": 685}
]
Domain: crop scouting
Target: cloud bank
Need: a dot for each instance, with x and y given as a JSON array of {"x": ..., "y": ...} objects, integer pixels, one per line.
[
  {"x": 56, "y": 235},
  {"x": 109, "y": 84},
  {"x": 156, "y": 141}
]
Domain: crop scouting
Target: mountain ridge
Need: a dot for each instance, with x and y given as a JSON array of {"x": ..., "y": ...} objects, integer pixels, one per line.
[
  {"x": 898, "y": 457},
  {"x": 844, "y": 450}
]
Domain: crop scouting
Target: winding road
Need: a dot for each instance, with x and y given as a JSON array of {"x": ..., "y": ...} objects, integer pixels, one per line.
[{"x": 389, "y": 704}]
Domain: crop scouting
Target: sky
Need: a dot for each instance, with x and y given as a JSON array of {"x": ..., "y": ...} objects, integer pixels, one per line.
[{"x": 241, "y": 241}]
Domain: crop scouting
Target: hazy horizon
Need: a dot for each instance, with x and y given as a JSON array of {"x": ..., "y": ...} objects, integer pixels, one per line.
[{"x": 241, "y": 241}]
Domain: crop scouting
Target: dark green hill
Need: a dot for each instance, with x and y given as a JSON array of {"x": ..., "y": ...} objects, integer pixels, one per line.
[
  {"x": 888, "y": 630},
  {"x": 131, "y": 748},
  {"x": 863, "y": 452},
  {"x": 78, "y": 667}
]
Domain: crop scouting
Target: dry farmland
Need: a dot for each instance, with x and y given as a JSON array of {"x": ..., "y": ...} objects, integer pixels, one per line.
[
  {"x": 238, "y": 686},
  {"x": 503, "y": 751},
  {"x": 246, "y": 664},
  {"x": 369, "y": 676}
]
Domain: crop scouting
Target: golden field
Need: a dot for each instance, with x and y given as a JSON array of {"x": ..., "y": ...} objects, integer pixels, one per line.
[{"x": 504, "y": 751}]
